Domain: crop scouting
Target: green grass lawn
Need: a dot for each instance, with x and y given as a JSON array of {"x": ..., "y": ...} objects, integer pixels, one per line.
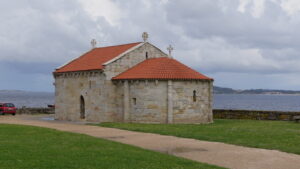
[
  {"x": 279, "y": 135},
  {"x": 26, "y": 147}
]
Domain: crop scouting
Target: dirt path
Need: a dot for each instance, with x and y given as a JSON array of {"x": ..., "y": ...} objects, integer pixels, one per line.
[{"x": 220, "y": 154}]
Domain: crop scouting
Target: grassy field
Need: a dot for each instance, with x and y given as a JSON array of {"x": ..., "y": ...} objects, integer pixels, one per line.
[
  {"x": 25, "y": 147},
  {"x": 279, "y": 135}
]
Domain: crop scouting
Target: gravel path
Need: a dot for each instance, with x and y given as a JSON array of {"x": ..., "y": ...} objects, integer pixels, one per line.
[{"x": 220, "y": 154}]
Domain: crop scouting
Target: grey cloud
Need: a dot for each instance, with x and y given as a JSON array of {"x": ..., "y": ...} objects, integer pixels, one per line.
[
  {"x": 206, "y": 19},
  {"x": 45, "y": 68},
  {"x": 210, "y": 36},
  {"x": 45, "y": 31},
  {"x": 194, "y": 26}
]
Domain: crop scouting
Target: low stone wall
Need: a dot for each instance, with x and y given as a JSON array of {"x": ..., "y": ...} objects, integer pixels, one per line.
[
  {"x": 254, "y": 114},
  {"x": 217, "y": 113},
  {"x": 25, "y": 110}
]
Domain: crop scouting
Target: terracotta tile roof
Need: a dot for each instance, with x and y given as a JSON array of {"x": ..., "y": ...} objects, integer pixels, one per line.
[
  {"x": 161, "y": 68},
  {"x": 94, "y": 59}
]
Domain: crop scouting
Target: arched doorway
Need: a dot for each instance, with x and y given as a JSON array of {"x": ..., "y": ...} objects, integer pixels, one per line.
[{"x": 82, "y": 108}]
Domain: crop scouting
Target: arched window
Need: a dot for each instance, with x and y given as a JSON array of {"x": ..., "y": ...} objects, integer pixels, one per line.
[
  {"x": 194, "y": 96},
  {"x": 82, "y": 108},
  {"x": 146, "y": 55}
]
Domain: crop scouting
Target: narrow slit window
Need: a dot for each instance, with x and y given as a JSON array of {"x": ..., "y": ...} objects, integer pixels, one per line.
[
  {"x": 90, "y": 84},
  {"x": 146, "y": 55},
  {"x": 194, "y": 96},
  {"x": 134, "y": 101}
]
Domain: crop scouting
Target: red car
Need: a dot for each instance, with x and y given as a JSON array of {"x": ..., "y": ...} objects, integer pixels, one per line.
[{"x": 7, "y": 108}]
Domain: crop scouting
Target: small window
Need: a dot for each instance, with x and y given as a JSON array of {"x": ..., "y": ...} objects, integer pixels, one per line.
[
  {"x": 146, "y": 55},
  {"x": 194, "y": 96},
  {"x": 134, "y": 101},
  {"x": 90, "y": 84}
]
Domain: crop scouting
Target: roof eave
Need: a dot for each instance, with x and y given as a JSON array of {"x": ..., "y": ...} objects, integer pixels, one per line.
[
  {"x": 73, "y": 71},
  {"x": 184, "y": 79}
]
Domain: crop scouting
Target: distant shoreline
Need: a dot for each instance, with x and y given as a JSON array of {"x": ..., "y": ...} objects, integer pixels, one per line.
[
  {"x": 275, "y": 94},
  {"x": 222, "y": 90}
]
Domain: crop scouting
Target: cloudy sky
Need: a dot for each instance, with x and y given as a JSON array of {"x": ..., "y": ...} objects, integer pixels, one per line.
[{"x": 240, "y": 43}]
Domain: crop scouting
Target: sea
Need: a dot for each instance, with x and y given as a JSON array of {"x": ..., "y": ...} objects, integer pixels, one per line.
[
  {"x": 272, "y": 102},
  {"x": 220, "y": 101},
  {"x": 27, "y": 99}
]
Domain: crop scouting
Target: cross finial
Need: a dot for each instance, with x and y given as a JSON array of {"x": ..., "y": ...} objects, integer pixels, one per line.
[
  {"x": 145, "y": 36},
  {"x": 170, "y": 48},
  {"x": 93, "y": 43}
]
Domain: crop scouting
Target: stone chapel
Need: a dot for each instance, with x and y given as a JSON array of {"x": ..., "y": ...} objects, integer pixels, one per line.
[{"x": 134, "y": 82}]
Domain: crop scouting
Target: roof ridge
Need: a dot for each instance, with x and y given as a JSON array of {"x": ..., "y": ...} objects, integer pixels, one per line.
[
  {"x": 118, "y": 45},
  {"x": 136, "y": 45}
]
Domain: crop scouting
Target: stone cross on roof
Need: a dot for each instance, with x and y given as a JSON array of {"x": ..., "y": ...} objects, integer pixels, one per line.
[
  {"x": 145, "y": 36},
  {"x": 93, "y": 43},
  {"x": 170, "y": 48}
]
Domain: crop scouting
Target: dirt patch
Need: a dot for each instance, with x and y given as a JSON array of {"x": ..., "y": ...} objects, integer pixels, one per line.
[
  {"x": 115, "y": 137},
  {"x": 178, "y": 150}
]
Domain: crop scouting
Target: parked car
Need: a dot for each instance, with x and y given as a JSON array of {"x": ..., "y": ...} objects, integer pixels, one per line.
[{"x": 7, "y": 108}]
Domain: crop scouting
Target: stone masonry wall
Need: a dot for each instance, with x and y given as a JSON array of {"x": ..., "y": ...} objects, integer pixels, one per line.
[
  {"x": 124, "y": 63},
  {"x": 254, "y": 114},
  {"x": 186, "y": 110},
  {"x": 131, "y": 59},
  {"x": 69, "y": 88},
  {"x": 35, "y": 110},
  {"x": 148, "y": 101}
]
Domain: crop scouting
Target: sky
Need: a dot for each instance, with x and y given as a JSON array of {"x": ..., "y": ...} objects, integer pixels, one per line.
[{"x": 242, "y": 44}]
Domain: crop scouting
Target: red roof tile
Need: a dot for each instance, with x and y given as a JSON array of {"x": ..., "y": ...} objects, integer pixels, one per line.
[
  {"x": 161, "y": 68},
  {"x": 94, "y": 59}
]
